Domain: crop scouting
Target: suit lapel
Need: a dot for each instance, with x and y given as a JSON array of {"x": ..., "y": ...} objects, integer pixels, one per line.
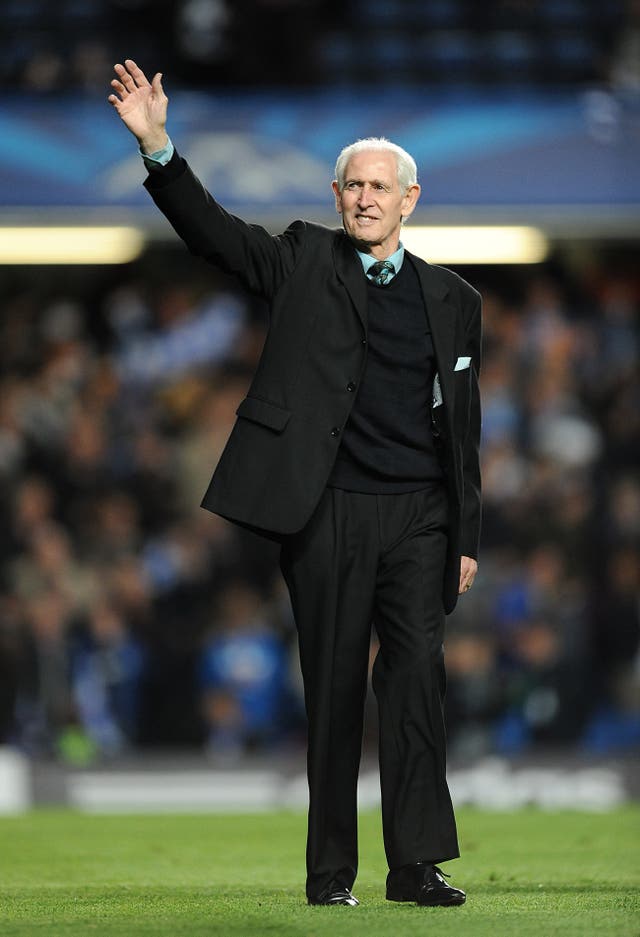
[
  {"x": 349, "y": 269},
  {"x": 441, "y": 316}
]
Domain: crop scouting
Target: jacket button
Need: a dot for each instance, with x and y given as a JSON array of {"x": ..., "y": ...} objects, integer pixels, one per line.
[
  {"x": 335, "y": 431},
  {"x": 363, "y": 342},
  {"x": 351, "y": 386}
]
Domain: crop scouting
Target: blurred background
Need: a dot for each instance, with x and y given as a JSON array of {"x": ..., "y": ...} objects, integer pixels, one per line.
[{"x": 138, "y": 631}]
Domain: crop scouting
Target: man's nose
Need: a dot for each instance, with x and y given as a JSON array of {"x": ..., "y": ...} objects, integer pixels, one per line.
[{"x": 365, "y": 196}]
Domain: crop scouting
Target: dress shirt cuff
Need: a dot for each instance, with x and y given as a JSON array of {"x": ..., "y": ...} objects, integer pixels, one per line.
[
  {"x": 160, "y": 157},
  {"x": 161, "y": 176}
]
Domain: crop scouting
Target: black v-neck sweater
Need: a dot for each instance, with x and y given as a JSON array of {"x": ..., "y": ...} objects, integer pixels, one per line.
[{"x": 387, "y": 443}]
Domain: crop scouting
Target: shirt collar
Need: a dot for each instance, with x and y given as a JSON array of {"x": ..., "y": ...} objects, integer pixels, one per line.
[{"x": 396, "y": 259}]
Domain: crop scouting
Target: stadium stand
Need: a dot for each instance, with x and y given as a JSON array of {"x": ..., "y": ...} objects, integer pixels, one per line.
[
  {"x": 132, "y": 620},
  {"x": 113, "y": 577},
  {"x": 218, "y": 42}
]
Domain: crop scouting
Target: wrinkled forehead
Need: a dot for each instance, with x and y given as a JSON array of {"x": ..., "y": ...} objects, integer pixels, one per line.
[{"x": 368, "y": 165}]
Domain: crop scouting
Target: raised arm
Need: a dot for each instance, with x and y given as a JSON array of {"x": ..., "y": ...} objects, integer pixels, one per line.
[
  {"x": 141, "y": 105},
  {"x": 259, "y": 260}
]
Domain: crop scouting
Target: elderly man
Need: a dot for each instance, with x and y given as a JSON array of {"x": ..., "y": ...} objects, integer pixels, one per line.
[{"x": 357, "y": 449}]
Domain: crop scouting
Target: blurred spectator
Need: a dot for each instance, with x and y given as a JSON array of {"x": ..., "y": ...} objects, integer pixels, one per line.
[
  {"x": 625, "y": 59},
  {"x": 107, "y": 672},
  {"x": 243, "y": 676},
  {"x": 44, "y": 706},
  {"x": 545, "y": 661},
  {"x": 474, "y": 696},
  {"x": 190, "y": 336}
]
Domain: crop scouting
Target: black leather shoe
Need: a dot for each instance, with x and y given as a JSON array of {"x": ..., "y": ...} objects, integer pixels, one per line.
[
  {"x": 337, "y": 895},
  {"x": 423, "y": 883}
]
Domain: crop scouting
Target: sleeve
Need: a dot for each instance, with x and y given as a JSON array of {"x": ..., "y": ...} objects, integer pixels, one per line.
[
  {"x": 162, "y": 174},
  {"x": 260, "y": 261}
]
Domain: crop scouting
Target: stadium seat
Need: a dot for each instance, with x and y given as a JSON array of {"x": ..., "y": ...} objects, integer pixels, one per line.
[
  {"x": 391, "y": 55},
  {"x": 336, "y": 55},
  {"x": 437, "y": 14},
  {"x": 510, "y": 53},
  {"x": 570, "y": 56},
  {"x": 379, "y": 13},
  {"x": 563, "y": 12},
  {"x": 450, "y": 55}
]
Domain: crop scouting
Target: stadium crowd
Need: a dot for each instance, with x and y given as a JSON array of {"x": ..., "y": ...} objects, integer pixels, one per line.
[
  {"x": 47, "y": 47},
  {"x": 130, "y": 617}
]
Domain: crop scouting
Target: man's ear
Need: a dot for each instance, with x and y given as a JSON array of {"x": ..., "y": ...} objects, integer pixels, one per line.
[
  {"x": 410, "y": 199},
  {"x": 336, "y": 192}
]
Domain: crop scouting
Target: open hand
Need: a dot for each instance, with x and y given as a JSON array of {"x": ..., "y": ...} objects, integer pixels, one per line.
[{"x": 141, "y": 105}]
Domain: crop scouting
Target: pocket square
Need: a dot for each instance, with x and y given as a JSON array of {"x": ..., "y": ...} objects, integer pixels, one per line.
[{"x": 463, "y": 362}]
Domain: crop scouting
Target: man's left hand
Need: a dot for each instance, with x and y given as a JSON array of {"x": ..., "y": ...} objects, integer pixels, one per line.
[{"x": 468, "y": 570}]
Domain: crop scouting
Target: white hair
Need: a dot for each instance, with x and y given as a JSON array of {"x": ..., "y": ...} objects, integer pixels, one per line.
[{"x": 407, "y": 169}]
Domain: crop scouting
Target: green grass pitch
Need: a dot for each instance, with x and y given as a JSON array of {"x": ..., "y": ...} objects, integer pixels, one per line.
[{"x": 64, "y": 874}]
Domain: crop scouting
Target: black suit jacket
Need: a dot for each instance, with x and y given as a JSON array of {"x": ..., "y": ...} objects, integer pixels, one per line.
[{"x": 280, "y": 453}]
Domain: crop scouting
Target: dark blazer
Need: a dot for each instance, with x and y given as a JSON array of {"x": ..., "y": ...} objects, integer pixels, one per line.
[{"x": 276, "y": 463}]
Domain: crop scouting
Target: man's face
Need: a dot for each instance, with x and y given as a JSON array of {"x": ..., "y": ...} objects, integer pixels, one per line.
[{"x": 372, "y": 204}]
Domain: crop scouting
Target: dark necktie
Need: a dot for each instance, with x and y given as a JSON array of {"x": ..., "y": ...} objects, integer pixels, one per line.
[{"x": 381, "y": 271}]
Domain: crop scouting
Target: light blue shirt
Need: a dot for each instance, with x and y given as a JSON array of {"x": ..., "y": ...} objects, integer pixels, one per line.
[
  {"x": 160, "y": 156},
  {"x": 163, "y": 156},
  {"x": 396, "y": 259}
]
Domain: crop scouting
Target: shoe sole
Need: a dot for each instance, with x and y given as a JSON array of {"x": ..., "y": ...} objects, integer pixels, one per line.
[
  {"x": 450, "y": 903},
  {"x": 333, "y": 904},
  {"x": 351, "y": 902}
]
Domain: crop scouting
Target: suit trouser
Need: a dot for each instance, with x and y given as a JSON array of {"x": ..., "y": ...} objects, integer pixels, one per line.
[{"x": 366, "y": 558}]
